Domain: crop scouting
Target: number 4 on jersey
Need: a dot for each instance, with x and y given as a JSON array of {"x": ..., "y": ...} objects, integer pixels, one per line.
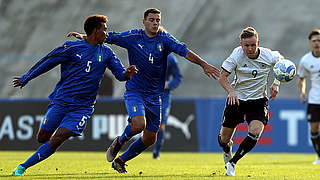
[{"x": 150, "y": 58}]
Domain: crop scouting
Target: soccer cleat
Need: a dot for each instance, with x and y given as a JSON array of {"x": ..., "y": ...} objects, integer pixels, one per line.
[
  {"x": 19, "y": 171},
  {"x": 119, "y": 166},
  {"x": 316, "y": 161},
  {"x": 156, "y": 156},
  {"x": 228, "y": 156},
  {"x": 231, "y": 169},
  {"x": 113, "y": 149}
]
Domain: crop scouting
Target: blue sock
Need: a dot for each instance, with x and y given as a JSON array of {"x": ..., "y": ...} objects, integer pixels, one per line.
[
  {"x": 159, "y": 143},
  {"x": 126, "y": 135},
  {"x": 43, "y": 152},
  {"x": 134, "y": 150}
]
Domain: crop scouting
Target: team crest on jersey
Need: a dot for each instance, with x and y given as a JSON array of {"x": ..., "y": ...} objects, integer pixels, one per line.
[
  {"x": 160, "y": 47},
  {"x": 45, "y": 121},
  {"x": 100, "y": 57},
  {"x": 135, "y": 108}
]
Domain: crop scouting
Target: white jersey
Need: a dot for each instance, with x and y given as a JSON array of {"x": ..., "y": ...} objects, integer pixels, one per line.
[
  {"x": 310, "y": 66},
  {"x": 251, "y": 75}
]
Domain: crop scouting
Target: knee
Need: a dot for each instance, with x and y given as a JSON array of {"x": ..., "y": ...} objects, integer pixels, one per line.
[
  {"x": 138, "y": 125},
  {"x": 42, "y": 139},
  {"x": 222, "y": 140},
  {"x": 149, "y": 139},
  {"x": 56, "y": 142},
  {"x": 255, "y": 131}
]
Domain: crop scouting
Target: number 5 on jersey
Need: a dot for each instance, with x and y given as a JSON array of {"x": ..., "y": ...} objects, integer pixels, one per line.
[{"x": 88, "y": 66}]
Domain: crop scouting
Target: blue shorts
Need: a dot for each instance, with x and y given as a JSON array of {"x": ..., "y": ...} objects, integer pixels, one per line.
[
  {"x": 147, "y": 106},
  {"x": 166, "y": 107},
  {"x": 72, "y": 118}
]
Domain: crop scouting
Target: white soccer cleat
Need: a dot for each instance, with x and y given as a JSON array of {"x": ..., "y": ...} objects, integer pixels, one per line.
[
  {"x": 316, "y": 161},
  {"x": 228, "y": 156},
  {"x": 231, "y": 169}
]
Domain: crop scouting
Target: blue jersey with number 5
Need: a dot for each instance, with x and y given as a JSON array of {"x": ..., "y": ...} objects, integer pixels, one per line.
[
  {"x": 150, "y": 57},
  {"x": 82, "y": 68}
]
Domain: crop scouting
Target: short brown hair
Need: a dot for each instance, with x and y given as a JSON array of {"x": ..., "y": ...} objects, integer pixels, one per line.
[
  {"x": 94, "y": 22},
  {"x": 248, "y": 32},
  {"x": 313, "y": 33},
  {"x": 151, "y": 10}
]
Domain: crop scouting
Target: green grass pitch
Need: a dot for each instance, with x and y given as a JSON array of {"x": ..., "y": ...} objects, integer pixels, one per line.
[{"x": 93, "y": 165}]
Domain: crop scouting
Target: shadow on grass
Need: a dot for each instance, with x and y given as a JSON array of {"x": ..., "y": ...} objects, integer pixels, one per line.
[{"x": 109, "y": 176}]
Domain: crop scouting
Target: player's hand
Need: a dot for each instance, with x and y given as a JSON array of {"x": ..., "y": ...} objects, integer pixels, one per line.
[
  {"x": 233, "y": 98},
  {"x": 16, "y": 82},
  {"x": 211, "y": 71},
  {"x": 130, "y": 71},
  {"x": 303, "y": 98},
  {"x": 76, "y": 35},
  {"x": 274, "y": 89}
]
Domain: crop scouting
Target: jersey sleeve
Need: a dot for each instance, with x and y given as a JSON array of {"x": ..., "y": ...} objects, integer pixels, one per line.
[
  {"x": 229, "y": 64},
  {"x": 176, "y": 74},
  {"x": 302, "y": 71},
  {"x": 276, "y": 56},
  {"x": 115, "y": 66},
  {"x": 120, "y": 39},
  {"x": 176, "y": 46},
  {"x": 48, "y": 62}
]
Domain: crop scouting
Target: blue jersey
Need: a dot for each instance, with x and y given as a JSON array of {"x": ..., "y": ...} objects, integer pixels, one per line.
[
  {"x": 150, "y": 57},
  {"x": 82, "y": 68}
]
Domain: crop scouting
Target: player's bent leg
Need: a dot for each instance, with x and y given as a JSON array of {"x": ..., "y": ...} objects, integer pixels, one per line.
[
  {"x": 43, "y": 136},
  {"x": 255, "y": 130},
  {"x": 149, "y": 137},
  {"x": 159, "y": 142},
  {"x": 224, "y": 140},
  {"x": 136, "y": 126},
  {"x": 315, "y": 139},
  {"x": 42, "y": 153},
  {"x": 61, "y": 135},
  {"x": 136, "y": 148}
]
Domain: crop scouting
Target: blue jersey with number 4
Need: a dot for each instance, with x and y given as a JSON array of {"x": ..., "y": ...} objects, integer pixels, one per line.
[
  {"x": 150, "y": 57},
  {"x": 82, "y": 68}
]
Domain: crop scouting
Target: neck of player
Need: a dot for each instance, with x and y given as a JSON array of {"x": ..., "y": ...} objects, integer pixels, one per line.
[
  {"x": 316, "y": 53},
  {"x": 92, "y": 40}
]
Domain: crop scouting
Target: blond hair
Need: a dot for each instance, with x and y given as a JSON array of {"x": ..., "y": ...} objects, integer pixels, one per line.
[{"x": 248, "y": 32}]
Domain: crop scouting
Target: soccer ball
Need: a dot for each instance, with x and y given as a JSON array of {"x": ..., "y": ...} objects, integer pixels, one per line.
[{"x": 284, "y": 70}]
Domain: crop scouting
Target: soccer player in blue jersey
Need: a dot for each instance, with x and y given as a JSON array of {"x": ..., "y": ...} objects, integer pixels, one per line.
[
  {"x": 148, "y": 49},
  {"x": 173, "y": 80},
  {"x": 71, "y": 103}
]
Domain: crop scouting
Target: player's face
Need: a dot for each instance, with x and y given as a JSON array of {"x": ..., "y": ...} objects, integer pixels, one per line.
[
  {"x": 101, "y": 33},
  {"x": 152, "y": 23},
  {"x": 250, "y": 47},
  {"x": 315, "y": 43}
]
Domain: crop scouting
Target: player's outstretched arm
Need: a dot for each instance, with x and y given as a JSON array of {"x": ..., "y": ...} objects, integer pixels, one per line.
[
  {"x": 208, "y": 69},
  {"x": 130, "y": 71},
  {"x": 77, "y": 35},
  {"x": 302, "y": 89},
  {"x": 274, "y": 89},
  {"x": 16, "y": 82}
]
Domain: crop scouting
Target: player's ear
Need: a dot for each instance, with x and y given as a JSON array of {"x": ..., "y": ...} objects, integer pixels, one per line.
[
  {"x": 258, "y": 43},
  {"x": 240, "y": 43}
]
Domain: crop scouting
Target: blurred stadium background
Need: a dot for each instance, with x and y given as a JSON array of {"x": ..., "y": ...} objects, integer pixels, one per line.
[{"x": 30, "y": 29}]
